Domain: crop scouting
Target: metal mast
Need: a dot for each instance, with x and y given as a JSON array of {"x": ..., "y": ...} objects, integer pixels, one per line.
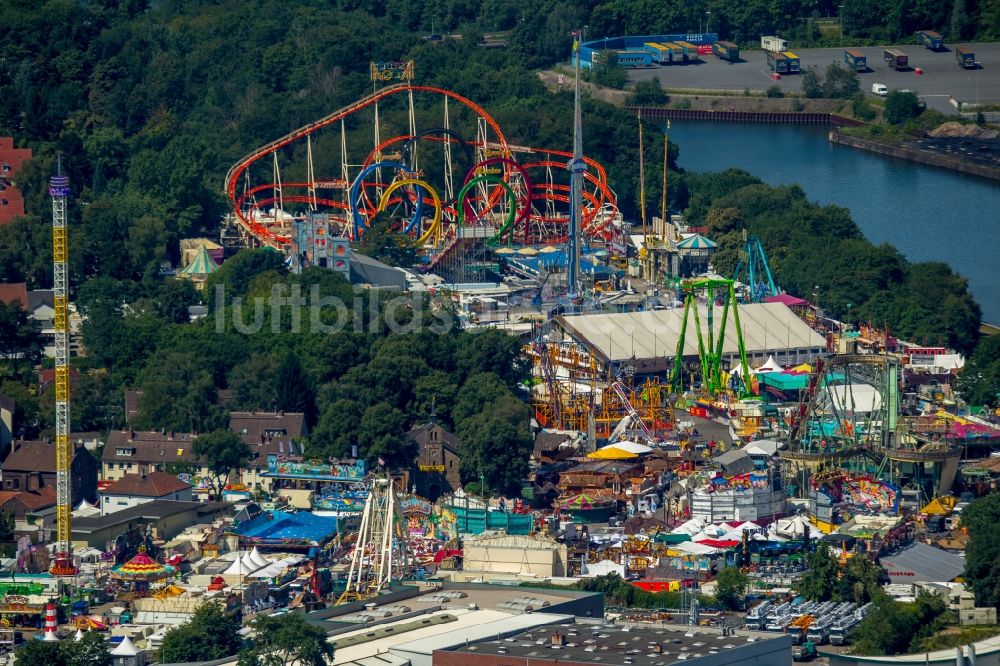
[
  {"x": 59, "y": 191},
  {"x": 577, "y": 167}
]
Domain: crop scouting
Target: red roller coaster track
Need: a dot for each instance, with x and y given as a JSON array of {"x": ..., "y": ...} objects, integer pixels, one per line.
[{"x": 245, "y": 204}]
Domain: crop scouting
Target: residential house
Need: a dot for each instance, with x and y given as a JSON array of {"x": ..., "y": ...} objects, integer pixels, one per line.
[
  {"x": 31, "y": 466},
  {"x": 14, "y": 292},
  {"x": 135, "y": 489},
  {"x": 7, "y": 408},
  {"x": 11, "y": 159},
  {"x": 267, "y": 433},
  {"x": 437, "y": 465},
  {"x": 31, "y": 510},
  {"x": 132, "y": 452}
]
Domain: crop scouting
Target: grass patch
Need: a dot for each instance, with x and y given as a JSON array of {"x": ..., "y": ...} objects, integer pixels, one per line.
[{"x": 965, "y": 635}]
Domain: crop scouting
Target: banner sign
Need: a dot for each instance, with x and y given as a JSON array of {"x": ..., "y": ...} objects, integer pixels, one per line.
[{"x": 392, "y": 71}]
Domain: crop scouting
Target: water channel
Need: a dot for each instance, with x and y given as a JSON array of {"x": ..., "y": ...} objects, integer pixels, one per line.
[{"x": 930, "y": 214}]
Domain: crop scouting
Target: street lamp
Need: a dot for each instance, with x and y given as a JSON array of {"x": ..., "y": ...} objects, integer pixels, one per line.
[
  {"x": 708, "y": 19},
  {"x": 840, "y": 13}
]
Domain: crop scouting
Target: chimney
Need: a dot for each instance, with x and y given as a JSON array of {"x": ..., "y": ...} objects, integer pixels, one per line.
[{"x": 558, "y": 639}]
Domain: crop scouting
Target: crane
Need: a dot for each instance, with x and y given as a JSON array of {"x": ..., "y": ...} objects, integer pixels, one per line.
[{"x": 59, "y": 191}]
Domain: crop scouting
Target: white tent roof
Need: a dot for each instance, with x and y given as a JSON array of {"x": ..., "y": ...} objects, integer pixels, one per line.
[
  {"x": 85, "y": 509},
  {"x": 763, "y": 447},
  {"x": 240, "y": 567},
  {"x": 257, "y": 558},
  {"x": 654, "y": 333},
  {"x": 126, "y": 649},
  {"x": 269, "y": 571},
  {"x": 794, "y": 527},
  {"x": 856, "y": 397},
  {"x": 631, "y": 447},
  {"x": 690, "y": 527},
  {"x": 770, "y": 366},
  {"x": 693, "y": 548}
]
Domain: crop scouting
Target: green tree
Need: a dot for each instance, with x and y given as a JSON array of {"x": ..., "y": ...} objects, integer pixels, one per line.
[
  {"x": 173, "y": 299},
  {"x": 607, "y": 72},
  {"x": 902, "y": 106},
  {"x": 222, "y": 451},
  {"x": 210, "y": 634},
  {"x": 178, "y": 393},
  {"x": 840, "y": 82},
  {"x": 91, "y": 650},
  {"x": 285, "y": 639},
  {"x": 979, "y": 381},
  {"x": 820, "y": 578},
  {"x": 382, "y": 241},
  {"x": 20, "y": 338},
  {"x": 496, "y": 445},
  {"x": 293, "y": 390},
  {"x": 812, "y": 85},
  {"x": 237, "y": 273},
  {"x": 731, "y": 587},
  {"x": 41, "y": 653},
  {"x": 647, "y": 93},
  {"x": 861, "y": 108},
  {"x": 982, "y": 552},
  {"x": 479, "y": 390},
  {"x": 382, "y": 434}
]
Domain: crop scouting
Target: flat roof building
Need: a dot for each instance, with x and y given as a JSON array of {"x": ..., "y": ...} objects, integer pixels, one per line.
[{"x": 599, "y": 644}]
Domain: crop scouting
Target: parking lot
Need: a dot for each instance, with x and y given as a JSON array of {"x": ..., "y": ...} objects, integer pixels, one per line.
[{"x": 942, "y": 77}]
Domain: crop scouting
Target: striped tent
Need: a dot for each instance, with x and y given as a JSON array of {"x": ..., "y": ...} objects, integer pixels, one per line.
[
  {"x": 202, "y": 264},
  {"x": 696, "y": 242}
]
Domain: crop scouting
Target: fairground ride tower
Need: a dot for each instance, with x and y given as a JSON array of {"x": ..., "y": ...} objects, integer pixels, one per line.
[{"x": 62, "y": 563}]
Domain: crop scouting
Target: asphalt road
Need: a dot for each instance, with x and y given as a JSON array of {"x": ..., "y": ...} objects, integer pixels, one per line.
[{"x": 942, "y": 77}]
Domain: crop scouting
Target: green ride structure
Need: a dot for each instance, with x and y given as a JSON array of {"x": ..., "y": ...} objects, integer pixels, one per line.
[{"x": 715, "y": 378}]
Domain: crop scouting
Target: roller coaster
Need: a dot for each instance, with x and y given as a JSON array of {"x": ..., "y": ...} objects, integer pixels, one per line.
[{"x": 445, "y": 167}]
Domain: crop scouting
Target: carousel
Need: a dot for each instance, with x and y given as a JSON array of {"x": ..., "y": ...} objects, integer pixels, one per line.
[{"x": 140, "y": 572}]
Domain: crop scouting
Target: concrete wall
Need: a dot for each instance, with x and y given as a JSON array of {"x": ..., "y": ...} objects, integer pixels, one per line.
[{"x": 921, "y": 156}]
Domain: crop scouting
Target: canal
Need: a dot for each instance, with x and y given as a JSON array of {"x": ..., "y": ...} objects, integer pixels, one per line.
[{"x": 930, "y": 214}]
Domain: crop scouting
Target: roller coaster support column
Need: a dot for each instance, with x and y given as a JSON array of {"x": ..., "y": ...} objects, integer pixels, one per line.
[{"x": 577, "y": 167}]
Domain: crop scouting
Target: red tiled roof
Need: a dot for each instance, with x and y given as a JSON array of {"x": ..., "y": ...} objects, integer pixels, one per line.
[
  {"x": 38, "y": 499},
  {"x": 156, "y": 484},
  {"x": 14, "y": 291},
  {"x": 31, "y": 456}
]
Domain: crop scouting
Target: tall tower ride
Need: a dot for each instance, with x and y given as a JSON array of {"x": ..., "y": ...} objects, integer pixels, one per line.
[{"x": 62, "y": 564}]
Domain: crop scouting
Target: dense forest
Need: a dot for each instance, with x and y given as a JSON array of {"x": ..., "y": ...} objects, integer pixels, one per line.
[{"x": 150, "y": 102}]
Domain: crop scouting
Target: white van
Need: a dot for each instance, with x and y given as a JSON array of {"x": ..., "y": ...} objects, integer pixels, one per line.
[{"x": 880, "y": 89}]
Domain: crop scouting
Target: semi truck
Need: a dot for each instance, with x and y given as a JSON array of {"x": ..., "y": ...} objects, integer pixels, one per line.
[
  {"x": 690, "y": 50},
  {"x": 634, "y": 59},
  {"x": 896, "y": 59},
  {"x": 772, "y": 43},
  {"x": 856, "y": 60},
  {"x": 931, "y": 39},
  {"x": 726, "y": 51},
  {"x": 782, "y": 63},
  {"x": 966, "y": 57},
  {"x": 660, "y": 52}
]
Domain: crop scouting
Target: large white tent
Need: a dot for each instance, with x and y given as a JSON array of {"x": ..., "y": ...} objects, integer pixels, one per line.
[{"x": 628, "y": 336}]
